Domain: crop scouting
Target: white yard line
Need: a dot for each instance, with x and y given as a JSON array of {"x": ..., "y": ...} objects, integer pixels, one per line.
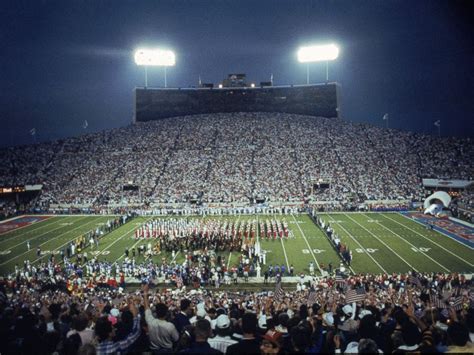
[
  {"x": 109, "y": 245},
  {"x": 69, "y": 231},
  {"x": 228, "y": 260},
  {"x": 230, "y": 253},
  {"x": 133, "y": 246},
  {"x": 437, "y": 231},
  {"x": 431, "y": 241},
  {"x": 130, "y": 231},
  {"x": 175, "y": 255},
  {"x": 257, "y": 231},
  {"x": 381, "y": 241},
  {"x": 357, "y": 242},
  {"x": 284, "y": 252},
  {"x": 309, "y": 247},
  {"x": 34, "y": 237},
  {"x": 406, "y": 241}
]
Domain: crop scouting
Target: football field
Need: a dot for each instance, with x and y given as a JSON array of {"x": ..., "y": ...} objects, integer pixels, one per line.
[{"x": 380, "y": 243}]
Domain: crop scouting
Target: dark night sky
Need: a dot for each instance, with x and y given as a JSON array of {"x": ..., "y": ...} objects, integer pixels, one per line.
[{"x": 62, "y": 62}]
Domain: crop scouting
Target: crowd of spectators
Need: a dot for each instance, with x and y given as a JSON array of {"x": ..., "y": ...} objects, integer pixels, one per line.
[
  {"x": 463, "y": 206},
  {"x": 397, "y": 314},
  {"x": 236, "y": 157}
]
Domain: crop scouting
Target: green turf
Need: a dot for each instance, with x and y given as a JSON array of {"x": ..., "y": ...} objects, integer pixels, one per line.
[
  {"x": 380, "y": 242},
  {"x": 393, "y": 243}
]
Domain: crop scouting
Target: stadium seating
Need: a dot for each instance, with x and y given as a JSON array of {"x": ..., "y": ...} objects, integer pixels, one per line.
[
  {"x": 236, "y": 157},
  {"x": 45, "y": 314}
]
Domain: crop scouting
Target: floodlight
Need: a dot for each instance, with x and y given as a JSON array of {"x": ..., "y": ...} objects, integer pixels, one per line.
[
  {"x": 252, "y": 85},
  {"x": 220, "y": 86},
  {"x": 318, "y": 53},
  {"x": 155, "y": 57}
]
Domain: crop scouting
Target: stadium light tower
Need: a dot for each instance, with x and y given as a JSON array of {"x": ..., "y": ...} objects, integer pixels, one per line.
[
  {"x": 319, "y": 53},
  {"x": 156, "y": 58}
]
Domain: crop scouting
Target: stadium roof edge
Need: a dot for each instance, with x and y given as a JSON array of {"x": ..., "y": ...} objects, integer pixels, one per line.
[{"x": 234, "y": 88}]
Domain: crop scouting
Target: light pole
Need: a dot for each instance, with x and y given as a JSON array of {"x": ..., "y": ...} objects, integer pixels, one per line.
[
  {"x": 307, "y": 73},
  {"x": 146, "y": 76},
  {"x": 155, "y": 57},
  {"x": 319, "y": 53},
  {"x": 166, "y": 84}
]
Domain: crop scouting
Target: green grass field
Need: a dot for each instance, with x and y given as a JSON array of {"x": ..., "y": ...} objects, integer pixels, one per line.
[{"x": 380, "y": 242}]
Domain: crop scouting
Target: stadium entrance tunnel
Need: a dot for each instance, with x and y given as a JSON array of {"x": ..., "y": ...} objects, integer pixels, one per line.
[{"x": 434, "y": 203}]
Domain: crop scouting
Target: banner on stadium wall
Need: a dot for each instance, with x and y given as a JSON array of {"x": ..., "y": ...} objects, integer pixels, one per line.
[{"x": 453, "y": 184}]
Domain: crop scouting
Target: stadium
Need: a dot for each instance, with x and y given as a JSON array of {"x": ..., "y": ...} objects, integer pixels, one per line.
[{"x": 238, "y": 216}]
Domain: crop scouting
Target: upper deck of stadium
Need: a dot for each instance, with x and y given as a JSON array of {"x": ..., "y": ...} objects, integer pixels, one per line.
[{"x": 237, "y": 157}]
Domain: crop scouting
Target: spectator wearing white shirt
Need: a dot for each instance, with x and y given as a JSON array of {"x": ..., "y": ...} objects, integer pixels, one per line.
[
  {"x": 223, "y": 330},
  {"x": 163, "y": 334}
]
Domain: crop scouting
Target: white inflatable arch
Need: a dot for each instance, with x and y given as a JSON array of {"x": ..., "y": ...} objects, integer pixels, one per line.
[{"x": 432, "y": 205}]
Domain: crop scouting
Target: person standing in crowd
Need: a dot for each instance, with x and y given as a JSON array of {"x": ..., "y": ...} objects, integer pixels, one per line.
[
  {"x": 271, "y": 343},
  {"x": 202, "y": 332},
  {"x": 163, "y": 334},
  {"x": 222, "y": 340},
  {"x": 105, "y": 333},
  {"x": 249, "y": 344},
  {"x": 182, "y": 318}
]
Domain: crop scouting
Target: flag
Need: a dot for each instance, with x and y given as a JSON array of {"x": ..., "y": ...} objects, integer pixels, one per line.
[
  {"x": 437, "y": 302},
  {"x": 357, "y": 295},
  {"x": 311, "y": 297},
  {"x": 385, "y": 117},
  {"x": 33, "y": 131},
  {"x": 457, "y": 303},
  {"x": 279, "y": 293},
  {"x": 85, "y": 125},
  {"x": 340, "y": 280},
  {"x": 437, "y": 123}
]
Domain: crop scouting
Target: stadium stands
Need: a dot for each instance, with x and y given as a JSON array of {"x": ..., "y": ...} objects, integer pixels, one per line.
[
  {"x": 236, "y": 157},
  {"x": 45, "y": 313},
  {"x": 82, "y": 306}
]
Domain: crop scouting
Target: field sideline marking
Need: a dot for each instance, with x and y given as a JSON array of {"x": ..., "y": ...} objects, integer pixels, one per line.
[
  {"x": 360, "y": 245},
  {"x": 406, "y": 241},
  {"x": 432, "y": 241},
  {"x": 306, "y": 240},
  {"x": 33, "y": 238},
  {"x": 49, "y": 241},
  {"x": 381, "y": 241}
]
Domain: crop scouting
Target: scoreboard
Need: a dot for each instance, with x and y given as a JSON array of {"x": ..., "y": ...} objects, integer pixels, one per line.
[
  {"x": 19, "y": 189},
  {"x": 14, "y": 189}
]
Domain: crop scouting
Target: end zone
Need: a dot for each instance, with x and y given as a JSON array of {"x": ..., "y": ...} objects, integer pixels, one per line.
[
  {"x": 448, "y": 227},
  {"x": 20, "y": 222}
]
